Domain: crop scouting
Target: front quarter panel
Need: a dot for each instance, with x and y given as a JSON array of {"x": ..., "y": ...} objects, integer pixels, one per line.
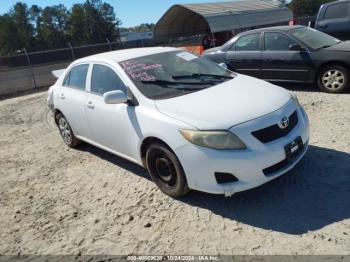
[
  {"x": 216, "y": 56},
  {"x": 148, "y": 122},
  {"x": 322, "y": 57}
]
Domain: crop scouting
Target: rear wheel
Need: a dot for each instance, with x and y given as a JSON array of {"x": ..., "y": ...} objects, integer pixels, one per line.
[
  {"x": 166, "y": 170},
  {"x": 66, "y": 131},
  {"x": 333, "y": 79}
]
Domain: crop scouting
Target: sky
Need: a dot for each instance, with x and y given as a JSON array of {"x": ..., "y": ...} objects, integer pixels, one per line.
[{"x": 131, "y": 12}]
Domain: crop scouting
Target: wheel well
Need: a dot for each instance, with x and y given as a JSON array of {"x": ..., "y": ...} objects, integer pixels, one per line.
[
  {"x": 323, "y": 66},
  {"x": 145, "y": 144},
  {"x": 56, "y": 112}
]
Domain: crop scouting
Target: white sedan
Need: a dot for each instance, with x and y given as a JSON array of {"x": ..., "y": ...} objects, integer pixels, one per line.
[{"x": 190, "y": 122}]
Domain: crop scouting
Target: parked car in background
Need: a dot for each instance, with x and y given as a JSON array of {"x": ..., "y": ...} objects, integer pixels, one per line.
[
  {"x": 334, "y": 19},
  {"x": 288, "y": 53},
  {"x": 191, "y": 123}
]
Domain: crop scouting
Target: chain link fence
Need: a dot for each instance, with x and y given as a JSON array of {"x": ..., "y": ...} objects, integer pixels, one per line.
[
  {"x": 306, "y": 20},
  {"x": 32, "y": 70}
]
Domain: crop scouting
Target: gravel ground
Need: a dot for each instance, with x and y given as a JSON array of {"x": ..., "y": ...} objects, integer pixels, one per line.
[{"x": 56, "y": 200}]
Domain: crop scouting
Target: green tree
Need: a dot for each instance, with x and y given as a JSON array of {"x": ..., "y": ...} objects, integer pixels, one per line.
[
  {"x": 19, "y": 29},
  {"x": 35, "y": 15},
  {"x": 52, "y": 29},
  {"x": 76, "y": 24},
  {"x": 139, "y": 28},
  {"x": 306, "y": 7},
  {"x": 16, "y": 29},
  {"x": 93, "y": 22},
  {"x": 8, "y": 36}
]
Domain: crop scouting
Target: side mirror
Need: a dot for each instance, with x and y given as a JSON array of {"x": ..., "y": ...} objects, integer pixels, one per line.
[
  {"x": 223, "y": 65},
  {"x": 296, "y": 47},
  {"x": 115, "y": 97}
]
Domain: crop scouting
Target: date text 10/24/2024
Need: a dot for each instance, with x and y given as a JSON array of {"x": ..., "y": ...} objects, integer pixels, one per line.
[{"x": 173, "y": 258}]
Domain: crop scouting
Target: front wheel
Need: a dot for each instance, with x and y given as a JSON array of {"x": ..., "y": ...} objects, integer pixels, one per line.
[
  {"x": 166, "y": 170},
  {"x": 333, "y": 79}
]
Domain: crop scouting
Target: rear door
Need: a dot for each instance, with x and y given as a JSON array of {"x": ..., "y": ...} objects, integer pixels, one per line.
[
  {"x": 279, "y": 63},
  {"x": 334, "y": 19},
  {"x": 244, "y": 56},
  {"x": 72, "y": 97}
]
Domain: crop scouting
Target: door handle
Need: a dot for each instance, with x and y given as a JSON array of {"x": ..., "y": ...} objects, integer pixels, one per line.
[
  {"x": 62, "y": 96},
  {"x": 90, "y": 105}
]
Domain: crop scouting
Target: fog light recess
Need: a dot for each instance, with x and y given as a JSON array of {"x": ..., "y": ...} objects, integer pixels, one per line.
[{"x": 222, "y": 178}]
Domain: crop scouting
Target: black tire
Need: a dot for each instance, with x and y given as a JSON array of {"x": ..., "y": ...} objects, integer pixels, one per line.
[
  {"x": 338, "y": 79},
  {"x": 166, "y": 170},
  {"x": 66, "y": 131}
]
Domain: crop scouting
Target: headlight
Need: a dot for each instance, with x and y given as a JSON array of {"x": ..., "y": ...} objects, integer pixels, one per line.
[{"x": 222, "y": 140}]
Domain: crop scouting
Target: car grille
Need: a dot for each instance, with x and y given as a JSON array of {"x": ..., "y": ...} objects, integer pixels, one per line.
[{"x": 274, "y": 132}]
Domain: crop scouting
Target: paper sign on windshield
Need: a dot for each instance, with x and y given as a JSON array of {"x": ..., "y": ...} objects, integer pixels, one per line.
[{"x": 186, "y": 56}]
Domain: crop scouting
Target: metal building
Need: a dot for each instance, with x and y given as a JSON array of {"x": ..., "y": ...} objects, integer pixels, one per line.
[{"x": 234, "y": 16}]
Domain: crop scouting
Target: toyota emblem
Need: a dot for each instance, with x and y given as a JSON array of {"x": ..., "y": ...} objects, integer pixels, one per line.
[{"x": 284, "y": 123}]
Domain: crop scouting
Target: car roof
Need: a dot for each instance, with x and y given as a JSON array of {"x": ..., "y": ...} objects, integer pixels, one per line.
[
  {"x": 125, "y": 54},
  {"x": 274, "y": 28},
  {"x": 334, "y": 2}
]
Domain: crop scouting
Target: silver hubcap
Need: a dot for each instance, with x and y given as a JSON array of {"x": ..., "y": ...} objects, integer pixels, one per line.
[
  {"x": 333, "y": 79},
  {"x": 65, "y": 130}
]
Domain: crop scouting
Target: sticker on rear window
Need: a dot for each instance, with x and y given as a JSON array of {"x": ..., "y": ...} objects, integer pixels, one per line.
[{"x": 186, "y": 56}]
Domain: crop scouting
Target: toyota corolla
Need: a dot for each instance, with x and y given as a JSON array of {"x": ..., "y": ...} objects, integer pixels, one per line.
[{"x": 191, "y": 123}]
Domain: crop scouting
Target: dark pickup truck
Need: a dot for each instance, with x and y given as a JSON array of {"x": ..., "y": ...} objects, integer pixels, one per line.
[{"x": 334, "y": 19}]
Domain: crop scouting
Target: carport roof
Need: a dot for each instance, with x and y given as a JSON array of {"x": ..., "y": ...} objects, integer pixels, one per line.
[{"x": 187, "y": 19}]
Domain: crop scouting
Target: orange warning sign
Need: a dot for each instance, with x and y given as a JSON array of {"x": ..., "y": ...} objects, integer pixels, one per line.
[{"x": 196, "y": 49}]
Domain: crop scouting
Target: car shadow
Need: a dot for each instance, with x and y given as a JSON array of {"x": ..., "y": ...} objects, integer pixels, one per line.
[
  {"x": 314, "y": 195},
  {"x": 116, "y": 160}
]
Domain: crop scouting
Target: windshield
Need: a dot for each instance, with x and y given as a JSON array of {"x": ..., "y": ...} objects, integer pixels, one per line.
[
  {"x": 313, "y": 38},
  {"x": 175, "y": 73}
]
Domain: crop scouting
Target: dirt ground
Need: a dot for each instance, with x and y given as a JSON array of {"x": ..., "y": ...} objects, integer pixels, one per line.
[{"x": 55, "y": 200}]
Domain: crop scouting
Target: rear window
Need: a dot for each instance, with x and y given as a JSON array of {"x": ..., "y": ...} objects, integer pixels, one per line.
[
  {"x": 339, "y": 10},
  {"x": 76, "y": 78}
]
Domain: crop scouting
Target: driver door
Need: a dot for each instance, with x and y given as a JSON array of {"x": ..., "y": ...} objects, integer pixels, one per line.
[
  {"x": 111, "y": 124},
  {"x": 280, "y": 63}
]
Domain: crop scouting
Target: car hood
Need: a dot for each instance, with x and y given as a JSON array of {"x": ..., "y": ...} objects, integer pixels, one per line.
[
  {"x": 342, "y": 46},
  {"x": 225, "y": 105}
]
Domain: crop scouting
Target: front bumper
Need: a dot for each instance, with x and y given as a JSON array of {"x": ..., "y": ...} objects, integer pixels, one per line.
[{"x": 200, "y": 164}]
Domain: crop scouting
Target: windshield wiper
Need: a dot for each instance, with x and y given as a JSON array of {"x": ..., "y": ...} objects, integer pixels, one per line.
[
  {"x": 166, "y": 82},
  {"x": 325, "y": 46},
  {"x": 195, "y": 75}
]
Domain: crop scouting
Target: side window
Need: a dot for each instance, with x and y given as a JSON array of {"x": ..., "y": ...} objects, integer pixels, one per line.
[
  {"x": 76, "y": 78},
  {"x": 277, "y": 42},
  {"x": 104, "y": 79},
  {"x": 232, "y": 47},
  {"x": 338, "y": 10},
  {"x": 248, "y": 43}
]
